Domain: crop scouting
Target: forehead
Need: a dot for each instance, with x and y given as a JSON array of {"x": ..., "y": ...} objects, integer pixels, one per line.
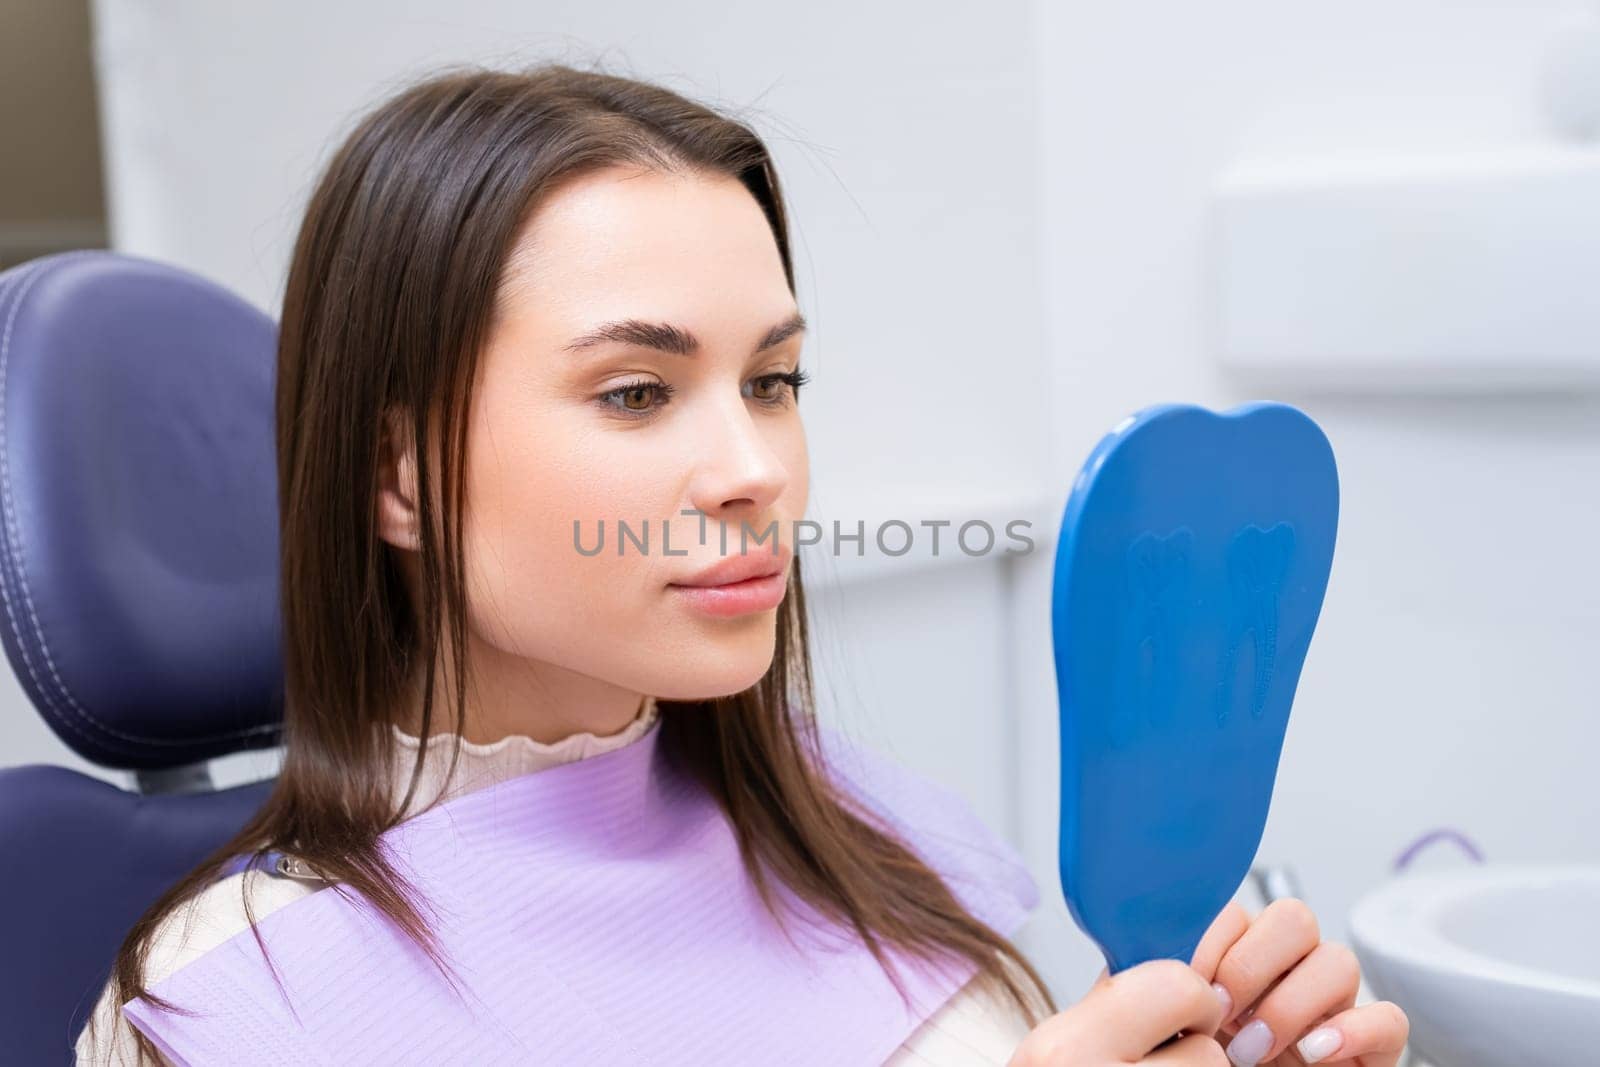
[{"x": 626, "y": 242}]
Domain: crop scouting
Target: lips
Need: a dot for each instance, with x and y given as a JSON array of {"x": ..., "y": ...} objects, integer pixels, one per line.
[
  {"x": 733, "y": 569},
  {"x": 738, "y": 585}
]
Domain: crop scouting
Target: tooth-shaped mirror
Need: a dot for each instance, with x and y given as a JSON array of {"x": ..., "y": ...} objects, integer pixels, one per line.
[{"x": 1194, "y": 554}]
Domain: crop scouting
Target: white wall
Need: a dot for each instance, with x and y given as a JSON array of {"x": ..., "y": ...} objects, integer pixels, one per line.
[
  {"x": 1451, "y": 681},
  {"x": 1000, "y": 219}
]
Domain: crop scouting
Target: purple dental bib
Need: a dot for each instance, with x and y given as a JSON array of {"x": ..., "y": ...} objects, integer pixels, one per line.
[{"x": 595, "y": 912}]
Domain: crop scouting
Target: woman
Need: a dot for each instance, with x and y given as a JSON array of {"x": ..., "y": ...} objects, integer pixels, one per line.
[{"x": 520, "y": 305}]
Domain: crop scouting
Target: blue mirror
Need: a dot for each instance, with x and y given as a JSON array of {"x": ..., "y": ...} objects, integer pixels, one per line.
[{"x": 1194, "y": 554}]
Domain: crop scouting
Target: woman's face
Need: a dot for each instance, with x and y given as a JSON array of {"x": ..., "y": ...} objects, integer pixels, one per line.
[{"x": 579, "y": 419}]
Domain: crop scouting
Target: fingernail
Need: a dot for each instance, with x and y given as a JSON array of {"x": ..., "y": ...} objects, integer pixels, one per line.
[
  {"x": 1227, "y": 1001},
  {"x": 1320, "y": 1044},
  {"x": 1249, "y": 1047}
]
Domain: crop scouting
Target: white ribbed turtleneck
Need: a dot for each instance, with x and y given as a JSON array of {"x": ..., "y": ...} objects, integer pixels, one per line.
[{"x": 486, "y": 763}]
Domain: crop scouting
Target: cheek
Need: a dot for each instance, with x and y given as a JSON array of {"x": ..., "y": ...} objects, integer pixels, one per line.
[
  {"x": 797, "y": 460},
  {"x": 531, "y": 590}
]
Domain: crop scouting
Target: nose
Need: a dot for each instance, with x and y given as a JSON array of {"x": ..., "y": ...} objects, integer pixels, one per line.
[{"x": 739, "y": 475}]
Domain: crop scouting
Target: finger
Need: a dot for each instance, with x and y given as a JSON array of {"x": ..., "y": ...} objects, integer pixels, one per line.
[
  {"x": 1195, "y": 1050},
  {"x": 1376, "y": 1033},
  {"x": 1322, "y": 984},
  {"x": 1281, "y": 936},
  {"x": 1225, "y": 929},
  {"x": 1145, "y": 1005}
]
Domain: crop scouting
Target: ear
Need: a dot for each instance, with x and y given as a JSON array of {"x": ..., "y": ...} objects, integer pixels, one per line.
[{"x": 398, "y": 520}]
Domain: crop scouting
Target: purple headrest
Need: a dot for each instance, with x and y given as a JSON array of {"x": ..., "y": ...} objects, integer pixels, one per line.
[{"x": 138, "y": 492}]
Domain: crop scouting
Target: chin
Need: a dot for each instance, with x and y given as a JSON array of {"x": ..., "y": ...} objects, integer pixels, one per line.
[{"x": 715, "y": 671}]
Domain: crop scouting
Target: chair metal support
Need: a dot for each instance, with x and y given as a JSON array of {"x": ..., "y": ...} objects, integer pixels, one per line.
[{"x": 190, "y": 778}]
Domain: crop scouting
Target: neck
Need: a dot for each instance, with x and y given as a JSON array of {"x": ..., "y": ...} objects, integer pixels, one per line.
[{"x": 508, "y": 694}]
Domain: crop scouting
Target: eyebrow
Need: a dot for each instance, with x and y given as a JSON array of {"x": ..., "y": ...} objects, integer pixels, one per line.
[{"x": 667, "y": 337}]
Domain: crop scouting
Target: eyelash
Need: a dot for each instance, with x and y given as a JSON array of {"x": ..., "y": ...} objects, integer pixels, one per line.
[{"x": 793, "y": 379}]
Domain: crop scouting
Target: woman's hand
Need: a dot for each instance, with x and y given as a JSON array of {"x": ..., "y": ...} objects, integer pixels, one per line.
[
  {"x": 1129, "y": 1019},
  {"x": 1293, "y": 995}
]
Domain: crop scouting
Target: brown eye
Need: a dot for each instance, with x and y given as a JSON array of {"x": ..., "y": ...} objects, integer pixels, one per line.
[
  {"x": 778, "y": 390},
  {"x": 636, "y": 400}
]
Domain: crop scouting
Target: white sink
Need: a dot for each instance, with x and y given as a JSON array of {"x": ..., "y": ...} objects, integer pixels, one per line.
[{"x": 1495, "y": 965}]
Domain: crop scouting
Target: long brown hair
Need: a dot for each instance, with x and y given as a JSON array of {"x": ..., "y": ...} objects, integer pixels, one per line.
[{"x": 390, "y": 297}]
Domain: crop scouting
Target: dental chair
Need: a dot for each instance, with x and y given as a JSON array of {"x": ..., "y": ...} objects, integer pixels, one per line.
[{"x": 139, "y": 582}]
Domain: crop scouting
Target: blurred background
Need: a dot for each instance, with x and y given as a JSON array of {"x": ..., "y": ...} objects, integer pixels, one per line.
[{"x": 1015, "y": 225}]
